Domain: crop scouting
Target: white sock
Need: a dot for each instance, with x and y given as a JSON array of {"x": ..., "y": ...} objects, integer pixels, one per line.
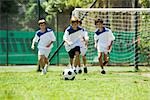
[
  {"x": 43, "y": 70},
  {"x": 45, "y": 67}
]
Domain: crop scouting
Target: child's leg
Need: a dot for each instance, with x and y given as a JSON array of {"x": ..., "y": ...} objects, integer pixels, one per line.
[
  {"x": 71, "y": 62},
  {"x": 71, "y": 57},
  {"x": 42, "y": 61},
  {"x": 101, "y": 63},
  {"x": 77, "y": 59},
  {"x": 38, "y": 67},
  {"x": 84, "y": 60},
  {"x": 46, "y": 64},
  {"x": 106, "y": 58},
  {"x": 77, "y": 62},
  {"x": 100, "y": 60}
]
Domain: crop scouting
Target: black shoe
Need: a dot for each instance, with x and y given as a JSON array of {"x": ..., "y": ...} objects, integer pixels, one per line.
[
  {"x": 80, "y": 71},
  {"x": 39, "y": 70},
  {"x": 85, "y": 69},
  {"x": 103, "y": 72},
  {"x": 105, "y": 62}
]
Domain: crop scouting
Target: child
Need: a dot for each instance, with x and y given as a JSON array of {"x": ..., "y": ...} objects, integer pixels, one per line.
[
  {"x": 45, "y": 38},
  {"x": 103, "y": 42},
  {"x": 72, "y": 38}
]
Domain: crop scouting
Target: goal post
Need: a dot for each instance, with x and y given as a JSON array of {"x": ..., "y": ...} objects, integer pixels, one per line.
[{"x": 127, "y": 24}]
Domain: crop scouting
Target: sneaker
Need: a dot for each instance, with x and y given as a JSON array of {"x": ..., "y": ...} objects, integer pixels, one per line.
[
  {"x": 85, "y": 69},
  {"x": 103, "y": 72},
  {"x": 43, "y": 71}
]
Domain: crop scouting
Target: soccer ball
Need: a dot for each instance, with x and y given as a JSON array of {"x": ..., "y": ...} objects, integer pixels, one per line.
[{"x": 69, "y": 74}]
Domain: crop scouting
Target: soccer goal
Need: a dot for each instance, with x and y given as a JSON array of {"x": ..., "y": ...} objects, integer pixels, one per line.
[{"x": 129, "y": 25}]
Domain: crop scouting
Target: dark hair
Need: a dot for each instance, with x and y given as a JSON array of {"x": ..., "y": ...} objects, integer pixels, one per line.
[
  {"x": 74, "y": 22},
  {"x": 80, "y": 21},
  {"x": 98, "y": 20},
  {"x": 41, "y": 21}
]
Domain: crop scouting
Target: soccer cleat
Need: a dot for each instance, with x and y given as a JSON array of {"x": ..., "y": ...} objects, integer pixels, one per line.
[
  {"x": 85, "y": 70},
  {"x": 103, "y": 72}
]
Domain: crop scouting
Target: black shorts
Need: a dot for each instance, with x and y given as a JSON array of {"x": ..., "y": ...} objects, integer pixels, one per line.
[{"x": 72, "y": 51}]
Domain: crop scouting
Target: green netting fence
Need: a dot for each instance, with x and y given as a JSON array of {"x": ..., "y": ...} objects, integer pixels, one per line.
[{"x": 15, "y": 49}]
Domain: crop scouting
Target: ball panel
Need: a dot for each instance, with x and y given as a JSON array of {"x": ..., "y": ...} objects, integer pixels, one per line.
[
  {"x": 73, "y": 78},
  {"x": 69, "y": 73},
  {"x": 63, "y": 73}
]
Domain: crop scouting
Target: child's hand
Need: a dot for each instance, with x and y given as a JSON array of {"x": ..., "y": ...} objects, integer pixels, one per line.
[
  {"x": 32, "y": 47},
  {"x": 108, "y": 48},
  {"x": 48, "y": 45},
  {"x": 70, "y": 43}
]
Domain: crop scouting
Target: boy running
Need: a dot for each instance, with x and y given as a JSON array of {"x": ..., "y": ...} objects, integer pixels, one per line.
[
  {"x": 84, "y": 47},
  {"x": 72, "y": 38},
  {"x": 45, "y": 38},
  {"x": 103, "y": 42}
]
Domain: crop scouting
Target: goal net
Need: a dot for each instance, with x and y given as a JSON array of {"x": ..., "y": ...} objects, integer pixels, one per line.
[{"x": 131, "y": 28}]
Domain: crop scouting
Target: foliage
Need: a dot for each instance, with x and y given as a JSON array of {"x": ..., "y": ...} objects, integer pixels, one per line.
[
  {"x": 61, "y": 6},
  {"x": 145, "y": 3},
  {"x": 8, "y": 7},
  {"x": 145, "y": 36}
]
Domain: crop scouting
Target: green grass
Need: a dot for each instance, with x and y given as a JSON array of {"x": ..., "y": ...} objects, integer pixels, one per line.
[{"x": 120, "y": 83}]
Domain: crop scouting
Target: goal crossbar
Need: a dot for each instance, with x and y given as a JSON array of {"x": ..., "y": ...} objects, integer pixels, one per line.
[{"x": 113, "y": 9}]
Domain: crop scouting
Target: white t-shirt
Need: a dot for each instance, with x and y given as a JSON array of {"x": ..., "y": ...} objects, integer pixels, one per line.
[
  {"x": 44, "y": 38},
  {"x": 73, "y": 37},
  {"x": 103, "y": 39}
]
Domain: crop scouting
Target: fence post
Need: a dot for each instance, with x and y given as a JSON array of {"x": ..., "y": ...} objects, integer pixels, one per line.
[
  {"x": 57, "y": 37},
  {"x": 38, "y": 2},
  {"x": 136, "y": 58},
  {"x": 7, "y": 57}
]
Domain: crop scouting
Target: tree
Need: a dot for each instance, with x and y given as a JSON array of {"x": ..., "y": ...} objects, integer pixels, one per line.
[
  {"x": 9, "y": 6},
  {"x": 61, "y": 6},
  {"x": 144, "y": 36},
  {"x": 145, "y": 3}
]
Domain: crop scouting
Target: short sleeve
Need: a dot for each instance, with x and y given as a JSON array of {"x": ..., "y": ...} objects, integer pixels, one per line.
[
  {"x": 111, "y": 36},
  {"x": 86, "y": 35},
  {"x": 66, "y": 34},
  {"x": 36, "y": 38},
  {"x": 53, "y": 38},
  {"x": 95, "y": 37}
]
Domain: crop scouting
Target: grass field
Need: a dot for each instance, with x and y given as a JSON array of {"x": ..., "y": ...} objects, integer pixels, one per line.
[{"x": 120, "y": 83}]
